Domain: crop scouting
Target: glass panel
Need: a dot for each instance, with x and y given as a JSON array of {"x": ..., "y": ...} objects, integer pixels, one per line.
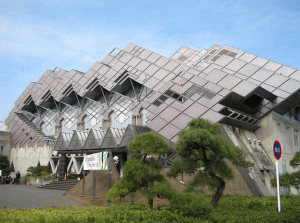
[
  {"x": 234, "y": 115},
  {"x": 157, "y": 103},
  {"x": 209, "y": 95},
  {"x": 175, "y": 95},
  {"x": 163, "y": 98},
  {"x": 240, "y": 117},
  {"x": 92, "y": 109},
  {"x": 201, "y": 91},
  {"x": 245, "y": 119},
  {"x": 194, "y": 88},
  {"x": 93, "y": 121},
  {"x": 188, "y": 94},
  {"x": 122, "y": 118},
  {"x": 169, "y": 92},
  {"x": 127, "y": 103}
]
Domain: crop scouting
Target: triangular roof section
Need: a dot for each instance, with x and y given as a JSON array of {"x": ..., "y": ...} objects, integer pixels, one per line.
[
  {"x": 132, "y": 131},
  {"x": 127, "y": 136},
  {"x": 140, "y": 129},
  {"x": 99, "y": 136},
  {"x": 118, "y": 134},
  {"x": 78, "y": 140},
  {"x": 94, "y": 139},
  {"x": 109, "y": 140},
  {"x": 63, "y": 141}
]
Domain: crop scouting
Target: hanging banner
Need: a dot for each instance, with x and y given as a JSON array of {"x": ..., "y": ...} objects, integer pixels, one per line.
[
  {"x": 96, "y": 161},
  {"x": 104, "y": 161}
]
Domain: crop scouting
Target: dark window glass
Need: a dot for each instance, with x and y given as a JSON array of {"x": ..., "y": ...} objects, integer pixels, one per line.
[
  {"x": 201, "y": 91},
  {"x": 181, "y": 99},
  {"x": 245, "y": 119},
  {"x": 175, "y": 95},
  {"x": 240, "y": 117},
  {"x": 163, "y": 98},
  {"x": 169, "y": 92},
  {"x": 251, "y": 120},
  {"x": 234, "y": 115},
  {"x": 209, "y": 95},
  {"x": 157, "y": 103},
  {"x": 225, "y": 111}
]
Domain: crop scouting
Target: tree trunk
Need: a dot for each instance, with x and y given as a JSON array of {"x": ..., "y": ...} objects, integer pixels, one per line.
[
  {"x": 218, "y": 194},
  {"x": 150, "y": 201}
]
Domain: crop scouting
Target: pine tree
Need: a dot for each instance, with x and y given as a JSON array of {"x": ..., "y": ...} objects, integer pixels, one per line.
[
  {"x": 142, "y": 172},
  {"x": 201, "y": 145}
]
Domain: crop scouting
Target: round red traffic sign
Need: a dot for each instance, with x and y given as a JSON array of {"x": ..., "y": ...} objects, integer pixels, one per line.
[{"x": 277, "y": 150}]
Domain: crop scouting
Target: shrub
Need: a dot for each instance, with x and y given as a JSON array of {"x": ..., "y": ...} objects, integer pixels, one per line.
[
  {"x": 74, "y": 176},
  {"x": 39, "y": 170},
  {"x": 189, "y": 204}
]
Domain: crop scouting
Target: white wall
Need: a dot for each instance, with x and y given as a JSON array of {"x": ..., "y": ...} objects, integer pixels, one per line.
[{"x": 24, "y": 157}]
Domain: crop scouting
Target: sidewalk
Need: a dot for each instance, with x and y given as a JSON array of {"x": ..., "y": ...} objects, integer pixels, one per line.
[{"x": 25, "y": 196}]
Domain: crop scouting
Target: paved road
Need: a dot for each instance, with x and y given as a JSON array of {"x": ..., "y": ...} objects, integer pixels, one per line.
[{"x": 25, "y": 196}]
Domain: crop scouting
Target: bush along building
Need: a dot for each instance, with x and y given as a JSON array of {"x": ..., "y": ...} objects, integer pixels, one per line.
[{"x": 67, "y": 114}]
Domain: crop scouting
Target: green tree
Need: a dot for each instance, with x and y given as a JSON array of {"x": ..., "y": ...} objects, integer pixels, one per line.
[
  {"x": 4, "y": 165},
  {"x": 287, "y": 179},
  {"x": 201, "y": 145},
  {"x": 142, "y": 172}
]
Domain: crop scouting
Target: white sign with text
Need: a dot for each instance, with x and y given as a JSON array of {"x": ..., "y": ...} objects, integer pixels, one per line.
[{"x": 96, "y": 161}]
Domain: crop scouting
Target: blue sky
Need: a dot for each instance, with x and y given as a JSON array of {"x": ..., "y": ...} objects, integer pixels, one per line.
[{"x": 40, "y": 35}]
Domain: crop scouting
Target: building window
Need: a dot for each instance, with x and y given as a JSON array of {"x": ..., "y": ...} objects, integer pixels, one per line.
[
  {"x": 296, "y": 140},
  {"x": 1, "y": 149}
]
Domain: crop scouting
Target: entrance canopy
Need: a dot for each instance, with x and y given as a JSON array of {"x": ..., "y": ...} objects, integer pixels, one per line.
[{"x": 113, "y": 139}]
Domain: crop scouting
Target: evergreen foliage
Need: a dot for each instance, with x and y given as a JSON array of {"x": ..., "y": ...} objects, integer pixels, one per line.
[
  {"x": 201, "y": 145},
  {"x": 142, "y": 172},
  {"x": 4, "y": 165},
  {"x": 289, "y": 180}
]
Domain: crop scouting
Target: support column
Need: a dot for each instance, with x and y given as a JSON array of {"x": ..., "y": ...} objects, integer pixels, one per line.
[
  {"x": 109, "y": 169},
  {"x": 63, "y": 164},
  {"x": 109, "y": 172},
  {"x": 121, "y": 166}
]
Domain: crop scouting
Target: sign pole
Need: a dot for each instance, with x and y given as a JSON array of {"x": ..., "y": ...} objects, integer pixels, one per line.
[
  {"x": 83, "y": 182},
  {"x": 278, "y": 189},
  {"x": 277, "y": 154},
  {"x": 94, "y": 184}
]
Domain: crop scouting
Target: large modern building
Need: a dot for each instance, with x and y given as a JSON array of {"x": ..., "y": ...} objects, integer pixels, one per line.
[{"x": 66, "y": 114}]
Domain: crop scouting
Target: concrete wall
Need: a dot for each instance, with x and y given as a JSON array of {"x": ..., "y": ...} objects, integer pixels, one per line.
[
  {"x": 24, "y": 157},
  {"x": 255, "y": 153},
  {"x": 287, "y": 132},
  {"x": 5, "y": 143}
]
